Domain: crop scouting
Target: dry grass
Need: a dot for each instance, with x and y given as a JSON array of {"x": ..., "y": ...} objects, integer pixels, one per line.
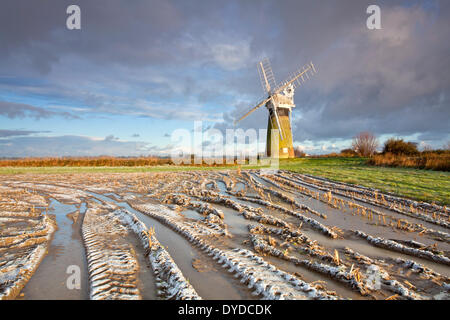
[
  {"x": 84, "y": 162},
  {"x": 99, "y": 162},
  {"x": 426, "y": 160}
]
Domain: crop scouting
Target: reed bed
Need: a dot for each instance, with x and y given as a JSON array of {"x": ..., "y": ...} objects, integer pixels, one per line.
[{"x": 429, "y": 161}]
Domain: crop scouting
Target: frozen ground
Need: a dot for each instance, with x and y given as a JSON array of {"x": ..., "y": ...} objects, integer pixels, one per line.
[{"x": 217, "y": 235}]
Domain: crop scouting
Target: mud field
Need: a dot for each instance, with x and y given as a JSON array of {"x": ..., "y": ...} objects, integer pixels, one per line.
[{"x": 217, "y": 235}]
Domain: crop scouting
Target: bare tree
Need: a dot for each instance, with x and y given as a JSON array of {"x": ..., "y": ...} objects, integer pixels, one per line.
[{"x": 365, "y": 144}]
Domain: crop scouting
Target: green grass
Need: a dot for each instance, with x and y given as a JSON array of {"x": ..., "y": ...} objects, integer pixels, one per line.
[
  {"x": 418, "y": 184},
  {"x": 413, "y": 183}
]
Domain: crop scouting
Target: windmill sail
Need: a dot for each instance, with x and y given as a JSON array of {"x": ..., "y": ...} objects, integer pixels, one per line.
[
  {"x": 259, "y": 105},
  {"x": 279, "y": 103},
  {"x": 266, "y": 76},
  {"x": 306, "y": 71}
]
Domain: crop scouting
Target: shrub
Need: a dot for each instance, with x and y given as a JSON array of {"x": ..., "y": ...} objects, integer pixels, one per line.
[
  {"x": 348, "y": 153},
  {"x": 398, "y": 146}
]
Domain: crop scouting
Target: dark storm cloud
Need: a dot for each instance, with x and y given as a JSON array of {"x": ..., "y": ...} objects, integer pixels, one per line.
[
  {"x": 111, "y": 30},
  {"x": 389, "y": 81},
  {"x": 138, "y": 57}
]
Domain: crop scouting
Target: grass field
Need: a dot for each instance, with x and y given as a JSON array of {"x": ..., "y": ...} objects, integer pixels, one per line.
[
  {"x": 418, "y": 184},
  {"x": 423, "y": 185}
]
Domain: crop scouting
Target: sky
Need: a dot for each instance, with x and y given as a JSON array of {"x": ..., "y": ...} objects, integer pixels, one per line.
[{"x": 137, "y": 71}]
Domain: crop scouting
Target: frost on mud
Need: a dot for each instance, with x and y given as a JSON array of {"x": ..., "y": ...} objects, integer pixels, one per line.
[
  {"x": 170, "y": 280},
  {"x": 283, "y": 235},
  {"x": 25, "y": 233},
  {"x": 111, "y": 260}
]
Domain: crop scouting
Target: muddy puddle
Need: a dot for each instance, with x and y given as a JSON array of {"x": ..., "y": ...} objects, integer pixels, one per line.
[
  {"x": 214, "y": 284},
  {"x": 66, "y": 249},
  {"x": 192, "y": 214},
  {"x": 236, "y": 222},
  {"x": 222, "y": 188},
  {"x": 206, "y": 276},
  {"x": 311, "y": 276},
  {"x": 363, "y": 247},
  {"x": 320, "y": 206},
  {"x": 146, "y": 278}
]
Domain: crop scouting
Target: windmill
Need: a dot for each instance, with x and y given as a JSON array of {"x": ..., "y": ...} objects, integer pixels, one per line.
[{"x": 279, "y": 103}]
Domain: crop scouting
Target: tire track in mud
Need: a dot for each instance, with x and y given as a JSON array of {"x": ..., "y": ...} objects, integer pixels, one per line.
[
  {"x": 366, "y": 217},
  {"x": 368, "y": 213},
  {"x": 243, "y": 217},
  {"x": 170, "y": 280},
  {"x": 66, "y": 249},
  {"x": 209, "y": 283},
  {"x": 267, "y": 280},
  {"x": 398, "y": 286},
  {"x": 109, "y": 277},
  {"x": 395, "y": 246},
  {"x": 338, "y": 257},
  {"x": 410, "y": 208},
  {"x": 257, "y": 200},
  {"x": 112, "y": 263},
  {"x": 18, "y": 264},
  {"x": 368, "y": 192},
  {"x": 25, "y": 235}
]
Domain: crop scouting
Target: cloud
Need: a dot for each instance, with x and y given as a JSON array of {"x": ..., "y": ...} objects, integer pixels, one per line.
[
  {"x": 111, "y": 138},
  {"x": 196, "y": 60},
  {"x": 70, "y": 146},
  {"x": 20, "y": 110},
  {"x": 16, "y": 133},
  {"x": 390, "y": 81}
]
